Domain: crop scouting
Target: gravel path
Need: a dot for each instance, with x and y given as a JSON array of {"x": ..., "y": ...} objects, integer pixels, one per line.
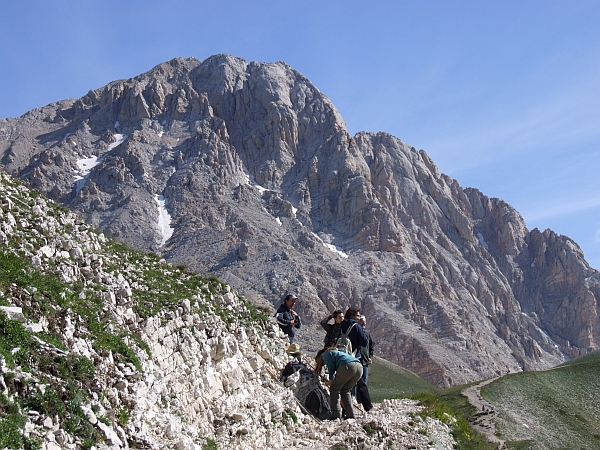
[
  {"x": 390, "y": 425},
  {"x": 485, "y": 419}
]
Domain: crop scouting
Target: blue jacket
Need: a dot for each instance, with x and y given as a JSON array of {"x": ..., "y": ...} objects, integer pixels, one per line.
[
  {"x": 335, "y": 359},
  {"x": 357, "y": 335}
]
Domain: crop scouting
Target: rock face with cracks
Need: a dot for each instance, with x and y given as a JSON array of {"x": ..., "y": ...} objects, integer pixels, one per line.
[
  {"x": 200, "y": 371},
  {"x": 262, "y": 186}
]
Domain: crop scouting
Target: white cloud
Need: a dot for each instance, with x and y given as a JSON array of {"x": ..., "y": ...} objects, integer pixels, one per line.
[
  {"x": 561, "y": 209},
  {"x": 542, "y": 124}
]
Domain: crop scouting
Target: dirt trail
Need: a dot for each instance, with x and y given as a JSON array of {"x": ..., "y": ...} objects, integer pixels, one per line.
[{"x": 485, "y": 419}]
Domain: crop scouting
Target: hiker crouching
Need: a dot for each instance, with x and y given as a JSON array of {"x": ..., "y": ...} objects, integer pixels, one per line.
[{"x": 344, "y": 371}]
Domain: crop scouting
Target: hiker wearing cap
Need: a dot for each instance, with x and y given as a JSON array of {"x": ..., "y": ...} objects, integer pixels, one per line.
[
  {"x": 287, "y": 319},
  {"x": 344, "y": 371}
]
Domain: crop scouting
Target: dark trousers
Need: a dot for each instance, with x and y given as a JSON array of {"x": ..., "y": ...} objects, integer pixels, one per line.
[
  {"x": 365, "y": 377},
  {"x": 363, "y": 396}
]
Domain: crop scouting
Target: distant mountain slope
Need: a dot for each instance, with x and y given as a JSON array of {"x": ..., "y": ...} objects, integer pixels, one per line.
[
  {"x": 246, "y": 171},
  {"x": 557, "y": 408},
  {"x": 388, "y": 380}
]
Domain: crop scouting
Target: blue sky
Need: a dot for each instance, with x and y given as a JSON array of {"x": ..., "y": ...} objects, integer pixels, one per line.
[{"x": 504, "y": 95}]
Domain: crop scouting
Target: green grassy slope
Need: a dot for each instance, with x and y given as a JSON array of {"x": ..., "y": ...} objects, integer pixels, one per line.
[
  {"x": 556, "y": 408},
  {"x": 387, "y": 380},
  {"x": 553, "y": 409}
]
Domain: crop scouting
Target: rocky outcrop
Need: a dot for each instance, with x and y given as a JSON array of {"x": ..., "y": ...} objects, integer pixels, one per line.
[
  {"x": 266, "y": 189},
  {"x": 200, "y": 371}
]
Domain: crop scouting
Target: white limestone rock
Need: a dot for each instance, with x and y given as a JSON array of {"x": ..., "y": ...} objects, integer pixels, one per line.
[{"x": 14, "y": 313}]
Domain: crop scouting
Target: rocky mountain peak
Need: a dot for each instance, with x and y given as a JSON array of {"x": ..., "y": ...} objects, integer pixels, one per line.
[{"x": 246, "y": 171}]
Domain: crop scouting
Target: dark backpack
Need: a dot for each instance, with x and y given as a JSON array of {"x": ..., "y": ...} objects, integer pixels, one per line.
[
  {"x": 292, "y": 367},
  {"x": 318, "y": 404}
]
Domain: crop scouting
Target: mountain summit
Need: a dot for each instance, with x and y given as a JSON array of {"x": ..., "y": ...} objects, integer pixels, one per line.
[{"x": 246, "y": 171}]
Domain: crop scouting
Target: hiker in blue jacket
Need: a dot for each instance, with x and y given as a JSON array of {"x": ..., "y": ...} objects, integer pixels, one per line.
[
  {"x": 344, "y": 371},
  {"x": 357, "y": 335},
  {"x": 359, "y": 340}
]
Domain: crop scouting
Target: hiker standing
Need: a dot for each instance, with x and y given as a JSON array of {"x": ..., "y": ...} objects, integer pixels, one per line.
[
  {"x": 359, "y": 340},
  {"x": 344, "y": 371},
  {"x": 367, "y": 351},
  {"x": 287, "y": 319},
  {"x": 334, "y": 329},
  {"x": 356, "y": 334},
  {"x": 366, "y": 358}
]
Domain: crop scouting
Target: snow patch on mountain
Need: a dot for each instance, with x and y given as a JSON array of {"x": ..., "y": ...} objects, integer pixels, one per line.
[
  {"x": 120, "y": 138},
  {"x": 334, "y": 248},
  {"x": 85, "y": 166},
  {"x": 482, "y": 240},
  {"x": 164, "y": 219},
  {"x": 250, "y": 181}
]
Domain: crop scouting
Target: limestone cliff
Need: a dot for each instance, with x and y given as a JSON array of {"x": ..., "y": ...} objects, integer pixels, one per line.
[
  {"x": 104, "y": 347},
  {"x": 266, "y": 189}
]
